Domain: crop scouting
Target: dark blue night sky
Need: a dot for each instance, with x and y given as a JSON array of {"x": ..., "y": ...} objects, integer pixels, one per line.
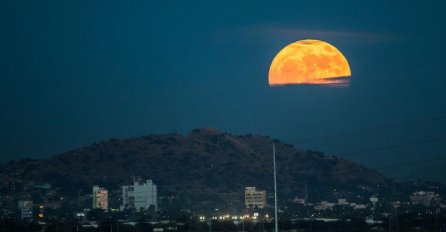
[{"x": 78, "y": 72}]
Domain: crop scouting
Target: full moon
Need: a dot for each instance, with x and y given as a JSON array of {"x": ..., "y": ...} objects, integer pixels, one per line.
[{"x": 310, "y": 62}]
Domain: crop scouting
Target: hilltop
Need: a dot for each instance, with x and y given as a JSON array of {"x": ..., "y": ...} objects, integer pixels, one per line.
[{"x": 205, "y": 164}]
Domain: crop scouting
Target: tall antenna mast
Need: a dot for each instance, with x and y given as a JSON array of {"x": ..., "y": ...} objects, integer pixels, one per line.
[{"x": 276, "y": 226}]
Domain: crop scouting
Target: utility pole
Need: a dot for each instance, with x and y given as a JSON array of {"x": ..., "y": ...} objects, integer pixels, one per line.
[
  {"x": 276, "y": 226},
  {"x": 393, "y": 217},
  {"x": 437, "y": 211},
  {"x": 392, "y": 201}
]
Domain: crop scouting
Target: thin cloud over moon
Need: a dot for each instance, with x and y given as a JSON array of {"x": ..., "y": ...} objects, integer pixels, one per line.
[{"x": 290, "y": 33}]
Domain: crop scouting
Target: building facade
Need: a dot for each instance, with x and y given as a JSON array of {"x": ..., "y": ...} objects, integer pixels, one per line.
[
  {"x": 100, "y": 198},
  {"x": 423, "y": 198},
  {"x": 255, "y": 198},
  {"x": 140, "y": 196},
  {"x": 26, "y": 208}
]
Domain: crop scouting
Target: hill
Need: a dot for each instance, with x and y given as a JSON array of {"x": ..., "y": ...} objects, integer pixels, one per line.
[{"x": 205, "y": 164}]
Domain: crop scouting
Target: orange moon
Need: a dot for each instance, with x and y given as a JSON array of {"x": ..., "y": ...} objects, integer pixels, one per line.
[{"x": 310, "y": 62}]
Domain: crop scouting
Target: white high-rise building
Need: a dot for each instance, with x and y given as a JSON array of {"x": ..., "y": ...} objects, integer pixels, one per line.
[
  {"x": 100, "y": 198},
  {"x": 254, "y": 198},
  {"x": 139, "y": 196}
]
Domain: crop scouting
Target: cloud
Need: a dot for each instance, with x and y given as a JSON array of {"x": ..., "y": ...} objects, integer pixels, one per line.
[
  {"x": 270, "y": 31},
  {"x": 352, "y": 36}
]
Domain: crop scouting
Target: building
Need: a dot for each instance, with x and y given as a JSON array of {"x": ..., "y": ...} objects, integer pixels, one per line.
[
  {"x": 359, "y": 206},
  {"x": 423, "y": 198},
  {"x": 24, "y": 204},
  {"x": 139, "y": 196},
  {"x": 26, "y": 208},
  {"x": 342, "y": 201},
  {"x": 254, "y": 198},
  {"x": 374, "y": 200},
  {"x": 324, "y": 205},
  {"x": 299, "y": 200},
  {"x": 100, "y": 198}
]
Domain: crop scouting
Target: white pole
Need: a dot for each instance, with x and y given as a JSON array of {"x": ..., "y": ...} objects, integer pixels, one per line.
[{"x": 276, "y": 226}]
